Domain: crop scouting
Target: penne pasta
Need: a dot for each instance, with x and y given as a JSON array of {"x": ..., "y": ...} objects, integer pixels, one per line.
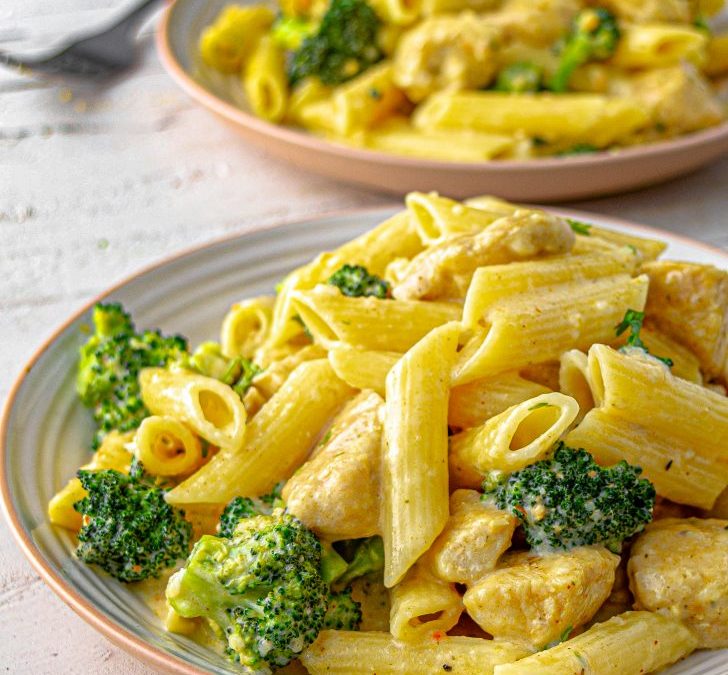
[
  {"x": 567, "y": 117},
  {"x": 369, "y": 323},
  {"x": 677, "y": 434},
  {"x": 628, "y": 644},
  {"x": 363, "y": 369},
  {"x": 436, "y": 218},
  {"x": 346, "y": 652},
  {"x": 246, "y": 326},
  {"x": 209, "y": 407},
  {"x": 534, "y": 328},
  {"x": 414, "y": 456},
  {"x": 422, "y": 605},
  {"x": 659, "y": 45},
  {"x": 473, "y": 403},
  {"x": 497, "y": 282},
  {"x": 265, "y": 81},
  {"x": 166, "y": 447},
  {"x": 517, "y": 437},
  {"x": 277, "y": 441}
]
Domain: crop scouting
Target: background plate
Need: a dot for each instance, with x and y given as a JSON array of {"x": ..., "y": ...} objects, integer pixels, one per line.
[
  {"x": 551, "y": 179},
  {"x": 45, "y": 432}
]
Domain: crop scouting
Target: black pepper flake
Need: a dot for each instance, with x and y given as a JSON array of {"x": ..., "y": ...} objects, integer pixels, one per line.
[
  {"x": 446, "y": 667},
  {"x": 668, "y": 465}
]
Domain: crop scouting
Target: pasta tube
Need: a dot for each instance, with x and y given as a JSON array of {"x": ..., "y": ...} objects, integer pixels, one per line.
[
  {"x": 228, "y": 43},
  {"x": 534, "y": 328},
  {"x": 473, "y": 403},
  {"x": 414, "y": 455},
  {"x": 574, "y": 381},
  {"x": 277, "y": 441},
  {"x": 677, "y": 434},
  {"x": 369, "y": 323},
  {"x": 363, "y": 369},
  {"x": 497, "y": 282},
  {"x": 395, "y": 237},
  {"x": 436, "y": 218},
  {"x": 512, "y": 440},
  {"x": 265, "y": 81},
  {"x": 422, "y": 604},
  {"x": 347, "y": 652},
  {"x": 628, "y": 644},
  {"x": 246, "y": 326},
  {"x": 659, "y": 46},
  {"x": 575, "y": 118},
  {"x": 166, "y": 447},
  {"x": 209, "y": 407}
]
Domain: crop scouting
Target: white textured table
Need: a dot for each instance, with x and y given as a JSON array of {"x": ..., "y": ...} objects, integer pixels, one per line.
[{"x": 95, "y": 185}]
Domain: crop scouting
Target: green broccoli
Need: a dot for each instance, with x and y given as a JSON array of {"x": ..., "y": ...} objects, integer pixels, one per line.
[
  {"x": 344, "y": 45},
  {"x": 594, "y": 36},
  {"x": 111, "y": 359},
  {"x": 579, "y": 149},
  {"x": 247, "y": 507},
  {"x": 569, "y": 500},
  {"x": 343, "y": 612},
  {"x": 367, "y": 557},
  {"x": 289, "y": 32},
  {"x": 237, "y": 372},
  {"x": 519, "y": 78},
  {"x": 633, "y": 321},
  {"x": 128, "y": 528},
  {"x": 262, "y": 588},
  {"x": 355, "y": 282}
]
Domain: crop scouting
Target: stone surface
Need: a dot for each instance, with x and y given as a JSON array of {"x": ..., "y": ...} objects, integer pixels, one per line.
[{"x": 94, "y": 185}]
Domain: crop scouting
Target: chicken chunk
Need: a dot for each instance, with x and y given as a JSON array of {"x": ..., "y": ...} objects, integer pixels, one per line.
[
  {"x": 474, "y": 538},
  {"x": 336, "y": 493},
  {"x": 679, "y": 99},
  {"x": 689, "y": 303},
  {"x": 446, "y": 269},
  {"x": 677, "y": 567},
  {"x": 446, "y": 52},
  {"x": 537, "y": 23},
  {"x": 533, "y": 598},
  {"x": 649, "y": 11}
]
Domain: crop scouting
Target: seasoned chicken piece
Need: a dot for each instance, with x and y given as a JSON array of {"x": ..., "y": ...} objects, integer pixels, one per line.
[
  {"x": 537, "y": 23},
  {"x": 689, "y": 303},
  {"x": 474, "y": 538},
  {"x": 446, "y": 52},
  {"x": 336, "y": 493},
  {"x": 445, "y": 270},
  {"x": 679, "y": 99},
  {"x": 533, "y": 598},
  {"x": 679, "y": 568},
  {"x": 268, "y": 382}
]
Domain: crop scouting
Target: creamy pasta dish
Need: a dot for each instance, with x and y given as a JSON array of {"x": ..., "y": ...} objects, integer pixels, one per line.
[
  {"x": 479, "y": 438},
  {"x": 475, "y": 80}
]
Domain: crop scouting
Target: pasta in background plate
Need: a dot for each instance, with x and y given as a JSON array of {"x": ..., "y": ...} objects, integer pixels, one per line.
[
  {"x": 475, "y": 80},
  {"x": 356, "y": 481}
]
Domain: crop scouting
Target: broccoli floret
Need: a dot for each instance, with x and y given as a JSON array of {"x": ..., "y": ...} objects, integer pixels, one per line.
[
  {"x": 262, "y": 588},
  {"x": 237, "y": 372},
  {"x": 579, "y": 149},
  {"x": 128, "y": 529},
  {"x": 594, "y": 36},
  {"x": 344, "y": 45},
  {"x": 108, "y": 371},
  {"x": 569, "y": 500},
  {"x": 356, "y": 282},
  {"x": 519, "y": 78},
  {"x": 343, "y": 613},
  {"x": 368, "y": 557},
  {"x": 633, "y": 321},
  {"x": 247, "y": 507},
  {"x": 289, "y": 32}
]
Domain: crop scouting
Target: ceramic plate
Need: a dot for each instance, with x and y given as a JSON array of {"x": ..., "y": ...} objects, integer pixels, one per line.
[
  {"x": 551, "y": 179},
  {"x": 45, "y": 432}
]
